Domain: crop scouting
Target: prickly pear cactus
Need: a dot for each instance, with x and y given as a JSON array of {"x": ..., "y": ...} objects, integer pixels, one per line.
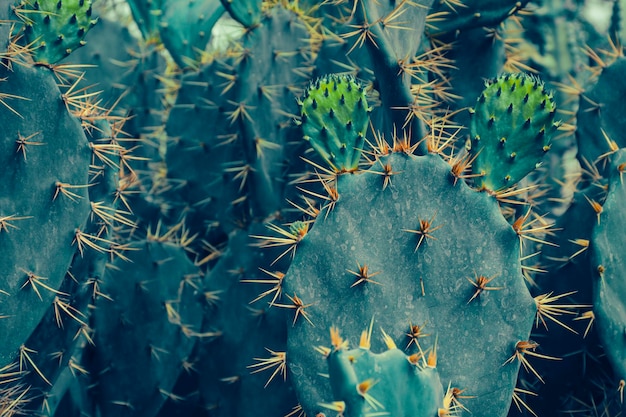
[
  {"x": 412, "y": 248},
  {"x": 609, "y": 267},
  {"x": 147, "y": 317},
  {"x": 246, "y": 12},
  {"x": 335, "y": 117},
  {"x": 511, "y": 128},
  {"x": 600, "y": 117},
  {"x": 453, "y": 16},
  {"x": 186, "y": 28},
  {"x": 44, "y": 203},
  {"x": 390, "y": 383},
  {"x": 54, "y": 28}
]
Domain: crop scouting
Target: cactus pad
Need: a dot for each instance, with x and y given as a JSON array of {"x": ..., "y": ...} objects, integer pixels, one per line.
[
  {"x": 511, "y": 128},
  {"x": 55, "y": 28},
  {"x": 334, "y": 117},
  {"x": 390, "y": 382},
  {"x": 609, "y": 263}
]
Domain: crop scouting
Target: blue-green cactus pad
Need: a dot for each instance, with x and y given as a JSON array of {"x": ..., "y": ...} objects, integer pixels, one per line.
[
  {"x": 371, "y": 226},
  {"x": 609, "y": 266}
]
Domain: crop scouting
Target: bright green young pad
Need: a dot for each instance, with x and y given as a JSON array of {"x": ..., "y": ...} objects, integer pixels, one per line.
[
  {"x": 511, "y": 129},
  {"x": 55, "y": 27},
  {"x": 334, "y": 117}
]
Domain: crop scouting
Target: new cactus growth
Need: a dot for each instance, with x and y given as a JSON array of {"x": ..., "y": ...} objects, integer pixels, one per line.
[
  {"x": 389, "y": 383},
  {"x": 335, "y": 118},
  {"x": 55, "y": 28},
  {"x": 511, "y": 129},
  {"x": 194, "y": 149}
]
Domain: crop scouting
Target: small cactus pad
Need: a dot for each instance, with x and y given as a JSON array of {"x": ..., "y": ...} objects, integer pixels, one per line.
[
  {"x": 511, "y": 128},
  {"x": 334, "y": 117},
  {"x": 55, "y": 28},
  {"x": 390, "y": 383}
]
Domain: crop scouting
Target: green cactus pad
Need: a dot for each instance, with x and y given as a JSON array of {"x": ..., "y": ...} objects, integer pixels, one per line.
[
  {"x": 463, "y": 236},
  {"x": 147, "y": 320},
  {"x": 186, "y": 28},
  {"x": 246, "y": 12},
  {"x": 147, "y": 15},
  {"x": 511, "y": 129},
  {"x": 469, "y": 14},
  {"x": 38, "y": 231},
  {"x": 334, "y": 117},
  {"x": 600, "y": 127},
  {"x": 389, "y": 382},
  {"x": 609, "y": 265},
  {"x": 55, "y": 28}
]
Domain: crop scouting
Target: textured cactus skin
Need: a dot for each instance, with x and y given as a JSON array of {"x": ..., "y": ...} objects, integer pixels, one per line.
[
  {"x": 238, "y": 184},
  {"x": 246, "y": 12},
  {"x": 146, "y": 321},
  {"x": 245, "y": 160},
  {"x": 334, "y": 118},
  {"x": 68, "y": 332},
  {"x": 221, "y": 152},
  {"x": 42, "y": 243},
  {"x": 186, "y": 28},
  {"x": 245, "y": 330},
  {"x": 472, "y": 14},
  {"x": 401, "y": 388},
  {"x": 146, "y": 14},
  {"x": 598, "y": 126},
  {"x": 511, "y": 128},
  {"x": 473, "y": 239},
  {"x": 55, "y": 28},
  {"x": 609, "y": 268}
]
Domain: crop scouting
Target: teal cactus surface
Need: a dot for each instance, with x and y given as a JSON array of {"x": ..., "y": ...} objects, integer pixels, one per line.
[
  {"x": 148, "y": 317},
  {"x": 43, "y": 202},
  {"x": 511, "y": 129},
  {"x": 463, "y": 15},
  {"x": 246, "y": 12},
  {"x": 366, "y": 383},
  {"x": 599, "y": 116},
  {"x": 608, "y": 266},
  {"x": 193, "y": 194},
  {"x": 334, "y": 119},
  {"x": 186, "y": 28},
  {"x": 412, "y": 252}
]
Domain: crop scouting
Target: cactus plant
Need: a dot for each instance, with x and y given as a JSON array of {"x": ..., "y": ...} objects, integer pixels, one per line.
[{"x": 189, "y": 154}]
